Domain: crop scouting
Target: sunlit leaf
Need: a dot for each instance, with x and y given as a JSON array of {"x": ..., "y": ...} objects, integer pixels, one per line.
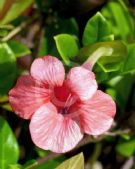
[
  {"x": 76, "y": 162},
  {"x": 96, "y": 30},
  {"x": 126, "y": 148},
  {"x": 112, "y": 54},
  {"x": 67, "y": 47}
]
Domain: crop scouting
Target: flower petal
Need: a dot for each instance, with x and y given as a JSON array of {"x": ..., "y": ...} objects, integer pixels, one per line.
[
  {"x": 48, "y": 70},
  {"x": 52, "y": 131},
  {"x": 27, "y": 96},
  {"x": 82, "y": 82},
  {"x": 96, "y": 114}
]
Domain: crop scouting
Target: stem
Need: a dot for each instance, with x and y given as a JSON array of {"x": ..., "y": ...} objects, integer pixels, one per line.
[
  {"x": 19, "y": 28},
  {"x": 85, "y": 141},
  {"x": 49, "y": 157},
  {"x": 95, "y": 155},
  {"x": 95, "y": 56},
  {"x": 14, "y": 32}
]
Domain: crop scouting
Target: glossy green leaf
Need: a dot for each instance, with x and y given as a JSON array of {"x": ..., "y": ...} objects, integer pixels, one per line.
[
  {"x": 111, "y": 54},
  {"x": 121, "y": 22},
  {"x": 18, "y": 48},
  {"x": 126, "y": 148},
  {"x": 9, "y": 150},
  {"x": 97, "y": 30},
  {"x": 129, "y": 65},
  {"x": 76, "y": 162},
  {"x": 7, "y": 68},
  {"x": 15, "y": 10},
  {"x": 67, "y": 47}
]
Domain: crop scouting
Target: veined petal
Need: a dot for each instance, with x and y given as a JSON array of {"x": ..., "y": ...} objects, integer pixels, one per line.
[
  {"x": 52, "y": 131},
  {"x": 48, "y": 70},
  {"x": 96, "y": 114},
  {"x": 82, "y": 82},
  {"x": 27, "y": 96}
]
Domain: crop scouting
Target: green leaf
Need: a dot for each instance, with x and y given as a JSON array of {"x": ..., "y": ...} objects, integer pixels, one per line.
[
  {"x": 129, "y": 65},
  {"x": 30, "y": 164},
  {"x": 120, "y": 88},
  {"x": 15, "y": 10},
  {"x": 52, "y": 164},
  {"x": 9, "y": 150},
  {"x": 41, "y": 152},
  {"x": 111, "y": 54},
  {"x": 18, "y": 48},
  {"x": 67, "y": 47},
  {"x": 126, "y": 148},
  {"x": 121, "y": 22},
  {"x": 49, "y": 165},
  {"x": 76, "y": 162},
  {"x": 15, "y": 166},
  {"x": 97, "y": 30},
  {"x": 7, "y": 68}
]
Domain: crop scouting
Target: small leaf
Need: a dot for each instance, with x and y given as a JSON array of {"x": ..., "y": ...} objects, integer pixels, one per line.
[
  {"x": 7, "y": 68},
  {"x": 112, "y": 55},
  {"x": 76, "y": 162},
  {"x": 18, "y": 48},
  {"x": 67, "y": 47},
  {"x": 126, "y": 148},
  {"x": 9, "y": 150},
  {"x": 96, "y": 30}
]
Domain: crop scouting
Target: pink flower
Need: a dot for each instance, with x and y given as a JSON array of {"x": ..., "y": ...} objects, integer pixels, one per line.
[{"x": 61, "y": 111}]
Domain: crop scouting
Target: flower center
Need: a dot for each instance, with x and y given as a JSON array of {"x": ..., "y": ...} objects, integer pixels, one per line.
[{"x": 62, "y": 99}]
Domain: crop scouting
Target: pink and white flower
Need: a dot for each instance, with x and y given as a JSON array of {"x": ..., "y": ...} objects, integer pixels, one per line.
[{"x": 61, "y": 110}]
